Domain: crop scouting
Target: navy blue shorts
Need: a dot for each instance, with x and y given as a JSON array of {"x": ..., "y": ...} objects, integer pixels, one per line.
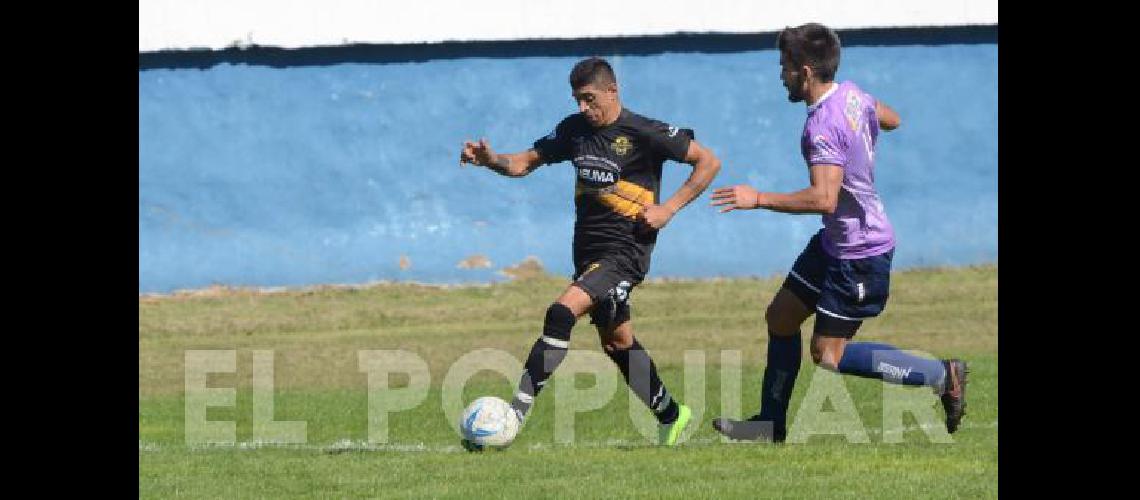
[{"x": 843, "y": 292}]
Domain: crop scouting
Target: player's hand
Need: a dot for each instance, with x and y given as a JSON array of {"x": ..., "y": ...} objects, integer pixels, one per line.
[
  {"x": 740, "y": 196},
  {"x": 655, "y": 216},
  {"x": 476, "y": 153}
]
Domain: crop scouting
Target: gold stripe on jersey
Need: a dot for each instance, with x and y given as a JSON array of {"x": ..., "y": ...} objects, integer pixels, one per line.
[{"x": 626, "y": 198}]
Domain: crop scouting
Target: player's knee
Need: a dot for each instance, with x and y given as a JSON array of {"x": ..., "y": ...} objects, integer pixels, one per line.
[
  {"x": 617, "y": 343},
  {"x": 559, "y": 312},
  {"x": 559, "y": 320},
  {"x": 816, "y": 354},
  {"x": 618, "y": 338},
  {"x": 823, "y": 358},
  {"x": 778, "y": 322}
]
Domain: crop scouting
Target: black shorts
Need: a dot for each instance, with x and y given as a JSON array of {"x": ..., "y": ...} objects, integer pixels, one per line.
[
  {"x": 608, "y": 281},
  {"x": 843, "y": 292}
]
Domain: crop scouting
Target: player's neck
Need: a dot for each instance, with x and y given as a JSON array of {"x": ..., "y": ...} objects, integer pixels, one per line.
[
  {"x": 612, "y": 115},
  {"x": 817, "y": 90}
]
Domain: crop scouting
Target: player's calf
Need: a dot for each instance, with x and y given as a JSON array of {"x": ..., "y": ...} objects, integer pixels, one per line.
[{"x": 545, "y": 356}]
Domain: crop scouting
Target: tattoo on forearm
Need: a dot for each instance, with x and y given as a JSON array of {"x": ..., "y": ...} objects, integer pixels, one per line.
[
  {"x": 698, "y": 185},
  {"x": 695, "y": 186}
]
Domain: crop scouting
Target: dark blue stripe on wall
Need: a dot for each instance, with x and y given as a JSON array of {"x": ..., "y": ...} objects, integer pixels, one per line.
[{"x": 640, "y": 45}]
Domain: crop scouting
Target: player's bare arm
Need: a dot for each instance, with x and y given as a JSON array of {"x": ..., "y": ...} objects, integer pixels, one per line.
[
  {"x": 508, "y": 164},
  {"x": 705, "y": 167},
  {"x": 888, "y": 118},
  {"x": 819, "y": 198}
]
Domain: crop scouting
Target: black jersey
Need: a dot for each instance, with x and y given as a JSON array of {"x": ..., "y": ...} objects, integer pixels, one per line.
[{"x": 618, "y": 171}]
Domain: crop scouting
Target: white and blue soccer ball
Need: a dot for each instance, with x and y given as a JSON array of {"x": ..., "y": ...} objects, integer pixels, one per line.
[{"x": 489, "y": 422}]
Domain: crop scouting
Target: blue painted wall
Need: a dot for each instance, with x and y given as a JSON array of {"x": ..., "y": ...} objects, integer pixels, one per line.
[{"x": 270, "y": 175}]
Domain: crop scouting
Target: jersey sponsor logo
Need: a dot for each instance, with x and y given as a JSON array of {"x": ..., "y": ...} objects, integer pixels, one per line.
[
  {"x": 621, "y": 145},
  {"x": 595, "y": 176},
  {"x": 595, "y": 172}
]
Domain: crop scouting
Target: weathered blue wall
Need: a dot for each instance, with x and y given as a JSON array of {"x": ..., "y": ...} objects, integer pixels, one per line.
[{"x": 268, "y": 175}]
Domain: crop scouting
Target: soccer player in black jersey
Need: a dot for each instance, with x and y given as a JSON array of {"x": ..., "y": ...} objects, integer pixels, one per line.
[{"x": 617, "y": 156}]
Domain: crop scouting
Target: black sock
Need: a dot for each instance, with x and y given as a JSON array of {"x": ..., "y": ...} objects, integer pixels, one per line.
[
  {"x": 646, "y": 384},
  {"x": 546, "y": 354},
  {"x": 780, "y": 378}
]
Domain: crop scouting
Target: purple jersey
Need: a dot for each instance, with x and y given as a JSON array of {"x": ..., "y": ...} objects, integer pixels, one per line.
[{"x": 842, "y": 129}]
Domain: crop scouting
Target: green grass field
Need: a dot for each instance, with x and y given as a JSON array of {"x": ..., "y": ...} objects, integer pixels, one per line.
[{"x": 315, "y": 337}]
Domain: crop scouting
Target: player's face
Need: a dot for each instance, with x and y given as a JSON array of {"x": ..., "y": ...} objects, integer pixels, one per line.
[
  {"x": 794, "y": 80},
  {"x": 595, "y": 102}
]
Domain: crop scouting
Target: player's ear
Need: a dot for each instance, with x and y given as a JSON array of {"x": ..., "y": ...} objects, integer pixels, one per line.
[{"x": 808, "y": 72}]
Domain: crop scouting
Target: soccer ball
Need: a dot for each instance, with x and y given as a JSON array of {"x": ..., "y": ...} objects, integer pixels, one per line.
[{"x": 489, "y": 422}]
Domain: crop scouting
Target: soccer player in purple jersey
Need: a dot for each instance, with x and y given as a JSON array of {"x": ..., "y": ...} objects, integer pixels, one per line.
[{"x": 843, "y": 275}]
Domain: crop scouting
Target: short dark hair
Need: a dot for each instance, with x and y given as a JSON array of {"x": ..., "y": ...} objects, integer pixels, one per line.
[
  {"x": 591, "y": 70},
  {"x": 813, "y": 45}
]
